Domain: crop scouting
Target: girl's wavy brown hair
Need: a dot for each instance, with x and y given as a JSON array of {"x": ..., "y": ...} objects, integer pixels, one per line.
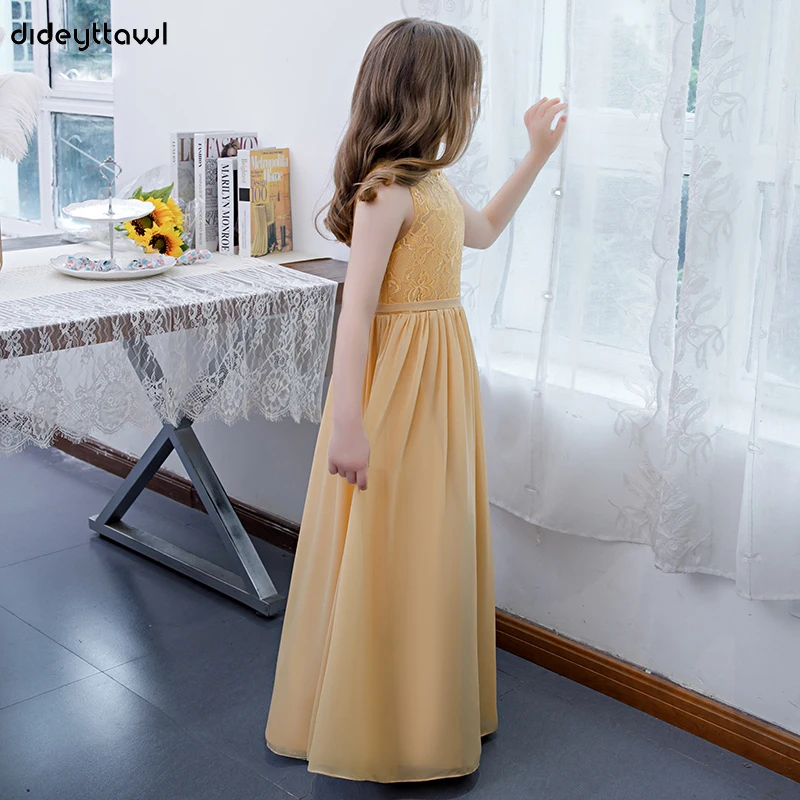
[{"x": 418, "y": 86}]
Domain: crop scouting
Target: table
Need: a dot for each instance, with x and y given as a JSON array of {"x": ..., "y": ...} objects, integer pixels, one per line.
[{"x": 219, "y": 339}]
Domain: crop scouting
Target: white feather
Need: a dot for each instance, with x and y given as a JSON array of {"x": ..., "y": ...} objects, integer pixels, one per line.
[{"x": 20, "y": 98}]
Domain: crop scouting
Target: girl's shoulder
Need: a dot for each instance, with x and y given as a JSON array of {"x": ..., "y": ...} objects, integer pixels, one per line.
[
  {"x": 409, "y": 195},
  {"x": 392, "y": 200}
]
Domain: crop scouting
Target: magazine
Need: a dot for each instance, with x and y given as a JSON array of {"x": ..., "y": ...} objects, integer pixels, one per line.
[{"x": 265, "y": 215}]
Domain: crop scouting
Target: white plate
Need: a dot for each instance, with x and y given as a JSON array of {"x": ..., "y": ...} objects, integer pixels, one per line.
[
  {"x": 59, "y": 264},
  {"x": 97, "y": 210}
]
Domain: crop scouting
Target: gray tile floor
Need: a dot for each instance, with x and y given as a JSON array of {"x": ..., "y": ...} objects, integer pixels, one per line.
[{"x": 122, "y": 680}]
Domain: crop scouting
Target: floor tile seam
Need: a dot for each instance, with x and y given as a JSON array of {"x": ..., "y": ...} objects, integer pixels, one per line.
[
  {"x": 49, "y": 691},
  {"x": 45, "y": 555},
  {"x": 199, "y": 739},
  {"x": 54, "y": 641}
]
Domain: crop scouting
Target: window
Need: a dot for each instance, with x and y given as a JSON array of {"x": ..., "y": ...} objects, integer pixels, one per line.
[
  {"x": 76, "y": 126},
  {"x": 616, "y": 71},
  {"x": 21, "y": 13},
  {"x": 70, "y": 64},
  {"x": 591, "y": 263},
  {"x": 697, "y": 43}
]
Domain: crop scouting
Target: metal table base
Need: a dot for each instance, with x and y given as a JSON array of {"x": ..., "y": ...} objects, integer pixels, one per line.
[{"x": 252, "y": 585}]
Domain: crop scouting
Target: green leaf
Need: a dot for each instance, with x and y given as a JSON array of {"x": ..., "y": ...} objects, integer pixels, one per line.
[{"x": 159, "y": 194}]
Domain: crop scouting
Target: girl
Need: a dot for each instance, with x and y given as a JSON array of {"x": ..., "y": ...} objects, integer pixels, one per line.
[{"x": 386, "y": 669}]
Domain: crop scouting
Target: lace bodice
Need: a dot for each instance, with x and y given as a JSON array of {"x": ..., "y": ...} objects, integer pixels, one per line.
[{"x": 425, "y": 264}]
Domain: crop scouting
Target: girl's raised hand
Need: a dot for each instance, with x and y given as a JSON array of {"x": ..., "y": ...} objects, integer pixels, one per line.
[{"x": 539, "y": 122}]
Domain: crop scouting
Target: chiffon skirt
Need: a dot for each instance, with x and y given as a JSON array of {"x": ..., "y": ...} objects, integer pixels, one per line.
[{"x": 386, "y": 668}]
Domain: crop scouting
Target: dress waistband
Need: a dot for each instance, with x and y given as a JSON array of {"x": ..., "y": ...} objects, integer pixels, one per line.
[{"x": 425, "y": 305}]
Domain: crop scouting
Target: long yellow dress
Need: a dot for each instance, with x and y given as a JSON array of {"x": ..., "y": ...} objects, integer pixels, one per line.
[{"x": 386, "y": 668}]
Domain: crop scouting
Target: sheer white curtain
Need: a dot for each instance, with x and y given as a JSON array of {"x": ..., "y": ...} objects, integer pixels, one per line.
[
  {"x": 608, "y": 414},
  {"x": 733, "y": 466},
  {"x": 572, "y": 310}
]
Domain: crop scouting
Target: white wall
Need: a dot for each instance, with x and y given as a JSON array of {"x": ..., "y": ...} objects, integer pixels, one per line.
[
  {"x": 693, "y": 629},
  {"x": 286, "y": 70}
]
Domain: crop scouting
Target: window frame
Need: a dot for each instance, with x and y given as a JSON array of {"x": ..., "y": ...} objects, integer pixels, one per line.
[
  {"x": 612, "y": 124},
  {"x": 101, "y": 91},
  {"x": 86, "y": 98}
]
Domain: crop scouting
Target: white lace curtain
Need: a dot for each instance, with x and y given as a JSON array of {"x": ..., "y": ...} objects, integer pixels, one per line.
[{"x": 611, "y": 413}]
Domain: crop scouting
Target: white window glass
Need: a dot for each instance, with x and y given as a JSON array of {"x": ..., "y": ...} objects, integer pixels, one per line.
[
  {"x": 21, "y": 14},
  {"x": 74, "y": 61},
  {"x": 80, "y": 142},
  {"x": 697, "y": 42}
]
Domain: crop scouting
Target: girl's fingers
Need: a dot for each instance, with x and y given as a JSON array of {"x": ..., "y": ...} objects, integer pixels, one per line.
[
  {"x": 548, "y": 120},
  {"x": 351, "y": 476},
  {"x": 551, "y": 112},
  {"x": 533, "y": 111},
  {"x": 551, "y": 104}
]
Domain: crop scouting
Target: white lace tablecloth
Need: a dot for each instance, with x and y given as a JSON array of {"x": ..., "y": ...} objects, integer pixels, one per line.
[{"x": 221, "y": 339}]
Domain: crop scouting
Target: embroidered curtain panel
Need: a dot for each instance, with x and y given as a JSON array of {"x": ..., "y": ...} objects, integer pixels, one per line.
[{"x": 613, "y": 409}]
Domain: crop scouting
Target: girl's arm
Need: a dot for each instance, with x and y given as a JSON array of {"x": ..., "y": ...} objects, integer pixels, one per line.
[
  {"x": 482, "y": 228},
  {"x": 376, "y": 227}
]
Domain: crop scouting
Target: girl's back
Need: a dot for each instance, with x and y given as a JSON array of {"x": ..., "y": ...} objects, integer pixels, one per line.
[{"x": 425, "y": 263}]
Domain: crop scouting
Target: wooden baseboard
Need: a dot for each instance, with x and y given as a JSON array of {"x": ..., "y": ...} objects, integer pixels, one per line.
[{"x": 749, "y": 737}]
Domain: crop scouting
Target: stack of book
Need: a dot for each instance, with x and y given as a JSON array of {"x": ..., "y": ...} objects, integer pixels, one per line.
[{"x": 238, "y": 192}]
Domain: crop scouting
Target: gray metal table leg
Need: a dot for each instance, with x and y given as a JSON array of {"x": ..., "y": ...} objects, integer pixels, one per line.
[{"x": 252, "y": 585}]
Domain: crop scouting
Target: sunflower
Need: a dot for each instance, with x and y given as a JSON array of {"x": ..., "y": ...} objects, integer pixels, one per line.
[
  {"x": 166, "y": 240},
  {"x": 177, "y": 214},
  {"x": 162, "y": 215},
  {"x": 137, "y": 231}
]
